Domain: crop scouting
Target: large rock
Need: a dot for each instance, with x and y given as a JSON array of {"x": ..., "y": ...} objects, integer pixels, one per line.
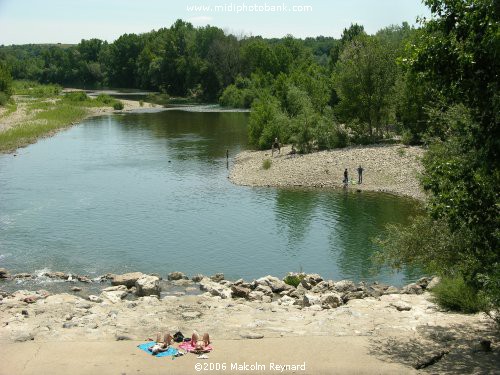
[
  {"x": 197, "y": 278},
  {"x": 114, "y": 294},
  {"x": 147, "y": 285},
  {"x": 432, "y": 284},
  {"x": 217, "y": 277},
  {"x": 311, "y": 300},
  {"x": 401, "y": 306},
  {"x": 127, "y": 279},
  {"x": 323, "y": 287},
  {"x": 344, "y": 286},
  {"x": 331, "y": 300},
  {"x": 274, "y": 283},
  {"x": 412, "y": 289},
  {"x": 286, "y": 301},
  {"x": 4, "y": 273},
  {"x": 215, "y": 289},
  {"x": 313, "y": 279},
  {"x": 176, "y": 276},
  {"x": 255, "y": 296},
  {"x": 265, "y": 290},
  {"x": 239, "y": 291}
]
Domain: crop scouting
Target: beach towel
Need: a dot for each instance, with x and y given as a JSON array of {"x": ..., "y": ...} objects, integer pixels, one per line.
[
  {"x": 170, "y": 352},
  {"x": 186, "y": 345}
]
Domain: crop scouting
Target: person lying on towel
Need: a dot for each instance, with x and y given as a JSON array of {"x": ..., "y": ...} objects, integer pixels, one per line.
[{"x": 161, "y": 346}]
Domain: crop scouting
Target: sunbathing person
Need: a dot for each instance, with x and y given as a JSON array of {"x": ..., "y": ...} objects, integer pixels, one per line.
[
  {"x": 161, "y": 346},
  {"x": 200, "y": 346}
]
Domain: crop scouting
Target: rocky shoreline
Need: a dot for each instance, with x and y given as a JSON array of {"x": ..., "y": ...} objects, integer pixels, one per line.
[{"x": 133, "y": 306}]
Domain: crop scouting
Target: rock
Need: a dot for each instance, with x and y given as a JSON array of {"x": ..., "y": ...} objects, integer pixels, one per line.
[
  {"x": 306, "y": 284},
  {"x": 191, "y": 314},
  {"x": 313, "y": 279},
  {"x": 301, "y": 290},
  {"x": 197, "y": 278},
  {"x": 121, "y": 288},
  {"x": 331, "y": 300},
  {"x": 21, "y": 336},
  {"x": 76, "y": 289},
  {"x": 123, "y": 338},
  {"x": 423, "y": 282},
  {"x": 323, "y": 287},
  {"x": 176, "y": 276},
  {"x": 239, "y": 282},
  {"x": 344, "y": 286},
  {"x": 215, "y": 289},
  {"x": 255, "y": 296},
  {"x": 412, "y": 289},
  {"x": 113, "y": 296},
  {"x": 69, "y": 325},
  {"x": 267, "y": 299},
  {"x": 217, "y": 277},
  {"x": 57, "y": 275},
  {"x": 251, "y": 335},
  {"x": 391, "y": 290},
  {"x": 434, "y": 281},
  {"x": 311, "y": 300},
  {"x": 286, "y": 301},
  {"x": 96, "y": 299},
  {"x": 83, "y": 279},
  {"x": 25, "y": 312},
  {"x": 23, "y": 275},
  {"x": 353, "y": 295},
  {"x": 401, "y": 306},
  {"x": 239, "y": 291},
  {"x": 4, "y": 273},
  {"x": 127, "y": 279},
  {"x": 296, "y": 294},
  {"x": 264, "y": 289},
  {"x": 274, "y": 283},
  {"x": 482, "y": 345},
  {"x": 147, "y": 285},
  {"x": 226, "y": 283}
]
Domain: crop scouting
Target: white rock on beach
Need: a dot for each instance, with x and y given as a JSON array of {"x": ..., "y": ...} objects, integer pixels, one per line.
[
  {"x": 147, "y": 285},
  {"x": 127, "y": 279},
  {"x": 215, "y": 289}
]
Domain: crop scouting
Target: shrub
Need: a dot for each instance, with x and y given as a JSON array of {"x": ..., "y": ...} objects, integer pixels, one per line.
[
  {"x": 76, "y": 96},
  {"x": 266, "y": 164},
  {"x": 408, "y": 138},
  {"x": 141, "y": 103},
  {"x": 105, "y": 99},
  {"x": 118, "y": 106},
  {"x": 293, "y": 280},
  {"x": 4, "y": 98},
  {"x": 453, "y": 293}
]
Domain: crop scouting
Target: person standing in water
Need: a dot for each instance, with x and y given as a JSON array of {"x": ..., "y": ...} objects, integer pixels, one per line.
[
  {"x": 360, "y": 175},
  {"x": 346, "y": 177}
]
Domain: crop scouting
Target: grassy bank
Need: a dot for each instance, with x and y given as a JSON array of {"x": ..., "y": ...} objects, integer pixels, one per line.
[{"x": 41, "y": 110}]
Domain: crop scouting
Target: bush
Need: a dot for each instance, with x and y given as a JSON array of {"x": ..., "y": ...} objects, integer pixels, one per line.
[
  {"x": 76, "y": 96},
  {"x": 141, "y": 103},
  {"x": 105, "y": 99},
  {"x": 4, "y": 98},
  {"x": 266, "y": 164},
  {"x": 118, "y": 106},
  {"x": 408, "y": 138},
  {"x": 293, "y": 280},
  {"x": 455, "y": 294}
]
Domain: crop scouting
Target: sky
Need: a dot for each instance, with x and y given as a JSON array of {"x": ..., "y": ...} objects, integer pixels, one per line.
[{"x": 69, "y": 21}]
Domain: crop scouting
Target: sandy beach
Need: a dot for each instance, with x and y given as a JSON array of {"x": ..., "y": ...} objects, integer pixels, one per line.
[
  {"x": 377, "y": 330},
  {"x": 387, "y": 168}
]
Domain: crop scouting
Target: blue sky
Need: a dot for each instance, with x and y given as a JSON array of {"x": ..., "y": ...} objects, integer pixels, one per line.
[{"x": 69, "y": 21}]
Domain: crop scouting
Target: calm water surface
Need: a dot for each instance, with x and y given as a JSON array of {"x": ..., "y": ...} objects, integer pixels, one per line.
[{"x": 149, "y": 192}]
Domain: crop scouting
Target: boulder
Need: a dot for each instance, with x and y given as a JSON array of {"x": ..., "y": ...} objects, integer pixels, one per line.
[
  {"x": 21, "y": 335},
  {"x": 434, "y": 281},
  {"x": 147, "y": 285},
  {"x": 274, "y": 283},
  {"x": 423, "y": 282},
  {"x": 113, "y": 296},
  {"x": 176, "y": 276},
  {"x": 239, "y": 291},
  {"x": 255, "y": 296},
  {"x": 344, "y": 286},
  {"x": 311, "y": 300},
  {"x": 215, "y": 289},
  {"x": 412, "y": 289},
  {"x": 127, "y": 279},
  {"x": 265, "y": 290},
  {"x": 313, "y": 278},
  {"x": 331, "y": 300},
  {"x": 306, "y": 284},
  {"x": 76, "y": 289},
  {"x": 191, "y": 314},
  {"x": 22, "y": 275},
  {"x": 323, "y": 287},
  {"x": 197, "y": 278},
  {"x": 217, "y": 277},
  {"x": 401, "y": 306},
  {"x": 286, "y": 301},
  {"x": 95, "y": 299},
  {"x": 83, "y": 279},
  {"x": 391, "y": 290},
  {"x": 359, "y": 294},
  {"x": 115, "y": 288},
  {"x": 4, "y": 273}
]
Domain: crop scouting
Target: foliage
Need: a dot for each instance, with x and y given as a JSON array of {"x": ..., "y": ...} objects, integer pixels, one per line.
[
  {"x": 5, "y": 84},
  {"x": 118, "y": 106},
  {"x": 294, "y": 280},
  {"x": 266, "y": 164},
  {"x": 455, "y": 294},
  {"x": 35, "y": 89}
]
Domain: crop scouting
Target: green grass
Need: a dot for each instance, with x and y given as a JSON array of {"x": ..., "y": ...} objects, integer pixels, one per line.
[
  {"x": 266, "y": 164},
  {"x": 35, "y": 89},
  {"x": 10, "y": 107},
  {"x": 454, "y": 294},
  {"x": 60, "y": 116},
  {"x": 293, "y": 280}
]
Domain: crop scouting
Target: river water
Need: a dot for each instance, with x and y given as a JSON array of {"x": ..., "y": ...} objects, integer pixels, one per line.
[{"x": 149, "y": 192}]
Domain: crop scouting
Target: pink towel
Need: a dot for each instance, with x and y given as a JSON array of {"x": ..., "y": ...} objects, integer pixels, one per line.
[{"x": 186, "y": 345}]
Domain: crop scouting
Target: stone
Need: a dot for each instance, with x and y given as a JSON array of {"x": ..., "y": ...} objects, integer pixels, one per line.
[
  {"x": 313, "y": 279},
  {"x": 324, "y": 286},
  {"x": 251, "y": 335},
  {"x": 4, "y": 273},
  {"x": 22, "y": 275},
  {"x": 434, "y": 281},
  {"x": 391, "y": 290},
  {"x": 239, "y": 291},
  {"x": 353, "y": 295},
  {"x": 123, "y": 338},
  {"x": 127, "y": 279},
  {"x": 267, "y": 299},
  {"x": 93, "y": 298},
  {"x": 217, "y": 277},
  {"x": 274, "y": 283},
  {"x": 412, "y": 289},
  {"x": 176, "y": 276},
  {"x": 113, "y": 296},
  {"x": 147, "y": 285},
  {"x": 69, "y": 325},
  {"x": 115, "y": 288},
  {"x": 331, "y": 300},
  {"x": 76, "y": 289},
  {"x": 191, "y": 314},
  {"x": 83, "y": 279},
  {"x": 264, "y": 289},
  {"x": 197, "y": 278},
  {"x": 311, "y": 300},
  {"x": 344, "y": 286},
  {"x": 255, "y": 296},
  {"x": 215, "y": 289},
  {"x": 22, "y": 335},
  {"x": 423, "y": 282},
  {"x": 286, "y": 301},
  {"x": 401, "y": 306},
  {"x": 306, "y": 284}
]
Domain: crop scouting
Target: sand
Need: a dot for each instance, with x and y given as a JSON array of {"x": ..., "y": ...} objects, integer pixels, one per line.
[{"x": 387, "y": 168}]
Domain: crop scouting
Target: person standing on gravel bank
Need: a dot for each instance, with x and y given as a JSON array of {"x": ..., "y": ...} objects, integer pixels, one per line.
[
  {"x": 360, "y": 175},
  {"x": 346, "y": 177}
]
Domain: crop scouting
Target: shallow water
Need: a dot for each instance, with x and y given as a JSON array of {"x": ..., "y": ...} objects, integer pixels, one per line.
[{"x": 149, "y": 192}]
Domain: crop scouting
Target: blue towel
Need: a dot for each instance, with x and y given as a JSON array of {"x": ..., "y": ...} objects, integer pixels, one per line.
[{"x": 170, "y": 352}]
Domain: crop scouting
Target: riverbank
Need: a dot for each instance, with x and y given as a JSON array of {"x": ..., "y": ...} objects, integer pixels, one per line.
[
  {"x": 387, "y": 168},
  {"x": 384, "y": 328},
  {"x": 29, "y": 119}
]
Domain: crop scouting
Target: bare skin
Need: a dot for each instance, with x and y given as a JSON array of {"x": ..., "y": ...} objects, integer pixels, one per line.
[
  {"x": 200, "y": 345},
  {"x": 161, "y": 346}
]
